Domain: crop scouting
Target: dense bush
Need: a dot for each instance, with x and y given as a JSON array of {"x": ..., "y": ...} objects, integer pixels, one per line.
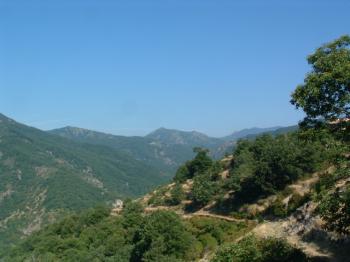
[
  {"x": 333, "y": 195},
  {"x": 94, "y": 235},
  {"x": 161, "y": 235},
  {"x": 177, "y": 195},
  {"x": 251, "y": 249},
  {"x": 267, "y": 164},
  {"x": 203, "y": 189}
]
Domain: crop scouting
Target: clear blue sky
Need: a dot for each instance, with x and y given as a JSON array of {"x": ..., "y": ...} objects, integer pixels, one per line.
[{"x": 128, "y": 67}]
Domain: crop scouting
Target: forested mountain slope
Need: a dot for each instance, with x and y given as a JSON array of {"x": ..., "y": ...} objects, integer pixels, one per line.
[
  {"x": 164, "y": 156},
  {"x": 42, "y": 174}
]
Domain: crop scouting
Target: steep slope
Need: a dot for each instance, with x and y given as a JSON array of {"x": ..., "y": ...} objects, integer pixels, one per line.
[
  {"x": 233, "y": 190},
  {"x": 43, "y": 174}
]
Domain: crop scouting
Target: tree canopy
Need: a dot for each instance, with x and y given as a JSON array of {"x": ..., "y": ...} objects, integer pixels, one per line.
[
  {"x": 201, "y": 163},
  {"x": 325, "y": 93}
]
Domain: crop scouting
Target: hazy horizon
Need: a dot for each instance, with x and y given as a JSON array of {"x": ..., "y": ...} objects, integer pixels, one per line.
[
  {"x": 147, "y": 133},
  {"x": 229, "y": 133},
  {"x": 130, "y": 67}
]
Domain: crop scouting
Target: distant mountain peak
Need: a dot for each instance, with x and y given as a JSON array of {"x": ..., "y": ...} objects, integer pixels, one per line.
[{"x": 179, "y": 137}]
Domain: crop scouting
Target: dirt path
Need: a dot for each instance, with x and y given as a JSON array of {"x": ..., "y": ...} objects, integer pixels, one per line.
[
  {"x": 211, "y": 215},
  {"x": 302, "y": 187},
  {"x": 199, "y": 213}
]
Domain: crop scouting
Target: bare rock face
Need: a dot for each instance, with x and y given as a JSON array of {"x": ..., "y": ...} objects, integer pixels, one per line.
[
  {"x": 118, "y": 206},
  {"x": 303, "y": 220}
]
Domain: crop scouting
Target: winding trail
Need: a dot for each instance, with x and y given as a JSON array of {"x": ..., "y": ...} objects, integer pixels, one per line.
[
  {"x": 211, "y": 215},
  {"x": 199, "y": 213}
]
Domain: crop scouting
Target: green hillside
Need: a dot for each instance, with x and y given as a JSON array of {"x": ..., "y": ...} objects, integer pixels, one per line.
[
  {"x": 217, "y": 210},
  {"x": 164, "y": 156},
  {"x": 42, "y": 175},
  {"x": 45, "y": 174},
  {"x": 256, "y": 205}
]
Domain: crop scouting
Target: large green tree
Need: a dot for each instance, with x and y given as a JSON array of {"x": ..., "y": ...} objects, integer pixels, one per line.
[
  {"x": 325, "y": 93},
  {"x": 200, "y": 164},
  {"x": 163, "y": 237}
]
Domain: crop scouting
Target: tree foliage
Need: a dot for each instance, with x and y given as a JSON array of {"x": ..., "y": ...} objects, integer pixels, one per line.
[
  {"x": 203, "y": 189},
  {"x": 94, "y": 235},
  {"x": 162, "y": 235},
  {"x": 325, "y": 93},
  {"x": 252, "y": 249},
  {"x": 267, "y": 164},
  {"x": 177, "y": 195},
  {"x": 335, "y": 210},
  {"x": 201, "y": 163}
]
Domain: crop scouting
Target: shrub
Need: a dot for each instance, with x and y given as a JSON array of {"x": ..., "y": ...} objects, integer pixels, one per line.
[
  {"x": 203, "y": 189},
  {"x": 177, "y": 195},
  {"x": 252, "y": 249}
]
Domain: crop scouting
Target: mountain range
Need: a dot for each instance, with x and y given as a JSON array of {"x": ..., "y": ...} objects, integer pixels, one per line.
[
  {"x": 165, "y": 148},
  {"x": 46, "y": 173}
]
